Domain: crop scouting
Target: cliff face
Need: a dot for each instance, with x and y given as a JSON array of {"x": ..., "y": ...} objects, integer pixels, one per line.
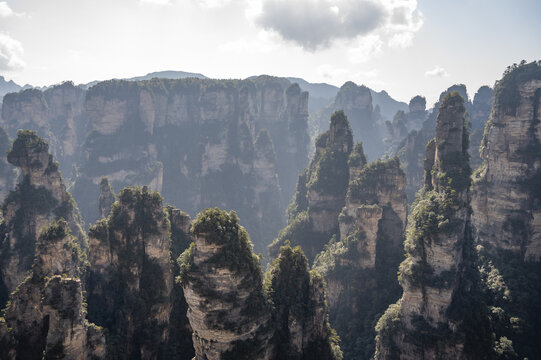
[
  {"x": 321, "y": 188},
  {"x": 40, "y": 198},
  {"x": 506, "y": 205},
  {"x": 222, "y": 283},
  {"x": 131, "y": 288},
  {"x": 364, "y": 118},
  {"x": 411, "y": 151},
  {"x": 440, "y": 314},
  {"x": 195, "y": 141},
  {"x": 56, "y": 114},
  {"x": 107, "y": 198},
  {"x": 8, "y": 174},
  {"x": 45, "y": 317},
  {"x": 360, "y": 266},
  {"x": 227, "y": 307},
  {"x": 404, "y": 123},
  {"x": 505, "y": 201}
]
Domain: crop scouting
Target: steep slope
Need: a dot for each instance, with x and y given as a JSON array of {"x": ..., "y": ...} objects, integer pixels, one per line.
[
  {"x": 39, "y": 198},
  {"x": 45, "y": 317},
  {"x": 131, "y": 289},
  {"x": 440, "y": 314},
  {"x": 321, "y": 189},
  {"x": 360, "y": 267},
  {"x": 506, "y": 204}
]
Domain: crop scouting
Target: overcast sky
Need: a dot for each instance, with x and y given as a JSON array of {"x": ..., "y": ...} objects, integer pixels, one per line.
[{"x": 406, "y": 47}]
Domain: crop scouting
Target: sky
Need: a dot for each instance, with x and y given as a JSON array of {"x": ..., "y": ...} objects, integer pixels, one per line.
[{"x": 406, "y": 47}]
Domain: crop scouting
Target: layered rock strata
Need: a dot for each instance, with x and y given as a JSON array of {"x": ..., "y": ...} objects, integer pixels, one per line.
[
  {"x": 440, "y": 315},
  {"x": 506, "y": 205},
  {"x": 222, "y": 283},
  {"x": 45, "y": 317},
  {"x": 39, "y": 198},
  {"x": 230, "y": 314}
]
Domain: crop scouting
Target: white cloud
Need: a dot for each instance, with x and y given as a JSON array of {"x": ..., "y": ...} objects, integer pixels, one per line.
[
  {"x": 365, "y": 48},
  {"x": 318, "y": 24},
  {"x": 11, "y": 53},
  {"x": 438, "y": 71},
  {"x": 156, "y": 2},
  {"x": 214, "y": 3},
  {"x": 6, "y": 11}
]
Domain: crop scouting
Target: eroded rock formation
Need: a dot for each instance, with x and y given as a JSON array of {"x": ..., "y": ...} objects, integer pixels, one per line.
[
  {"x": 8, "y": 174},
  {"x": 39, "y": 198},
  {"x": 131, "y": 289},
  {"x": 107, "y": 198},
  {"x": 229, "y": 313},
  {"x": 320, "y": 193},
  {"x": 45, "y": 317},
  {"x": 360, "y": 266},
  {"x": 440, "y": 314},
  {"x": 194, "y": 140},
  {"x": 56, "y": 114},
  {"x": 506, "y": 204}
]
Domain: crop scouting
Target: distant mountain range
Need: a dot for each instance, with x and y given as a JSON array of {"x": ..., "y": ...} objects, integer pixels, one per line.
[{"x": 321, "y": 94}]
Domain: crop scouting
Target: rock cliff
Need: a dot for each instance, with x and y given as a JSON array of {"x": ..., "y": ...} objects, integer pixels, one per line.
[
  {"x": 360, "y": 266},
  {"x": 195, "y": 140},
  {"x": 56, "y": 114},
  {"x": 107, "y": 198},
  {"x": 506, "y": 205},
  {"x": 8, "y": 174},
  {"x": 222, "y": 283},
  {"x": 320, "y": 193},
  {"x": 39, "y": 198},
  {"x": 233, "y": 315},
  {"x": 440, "y": 314},
  {"x": 365, "y": 120},
  {"x": 45, "y": 317},
  {"x": 131, "y": 287}
]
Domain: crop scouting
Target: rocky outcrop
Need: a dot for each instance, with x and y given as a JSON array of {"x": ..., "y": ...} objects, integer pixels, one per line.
[
  {"x": 479, "y": 114},
  {"x": 321, "y": 189},
  {"x": 8, "y": 174},
  {"x": 194, "y": 140},
  {"x": 45, "y": 317},
  {"x": 299, "y": 309},
  {"x": 365, "y": 120},
  {"x": 227, "y": 307},
  {"x": 56, "y": 114},
  {"x": 131, "y": 287},
  {"x": 40, "y": 198},
  {"x": 107, "y": 198},
  {"x": 506, "y": 197},
  {"x": 506, "y": 203},
  {"x": 440, "y": 315},
  {"x": 222, "y": 282},
  {"x": 360, "y": 266}
]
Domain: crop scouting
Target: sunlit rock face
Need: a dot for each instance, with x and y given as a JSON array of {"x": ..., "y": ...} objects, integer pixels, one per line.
[
  {"x": 438, "y": 277},
  {"x": 506, "y": 192}
]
